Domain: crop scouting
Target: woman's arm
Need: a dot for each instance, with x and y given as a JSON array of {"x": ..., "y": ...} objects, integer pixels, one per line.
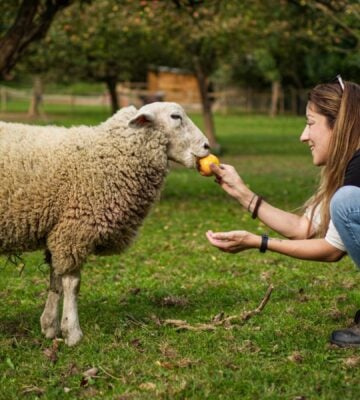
[
  {"x": 285, "y": 223},
  {"x": 309, "y": 249}
]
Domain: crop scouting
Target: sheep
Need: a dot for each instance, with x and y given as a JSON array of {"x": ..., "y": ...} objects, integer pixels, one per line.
[{"x": 86, "y": 190}]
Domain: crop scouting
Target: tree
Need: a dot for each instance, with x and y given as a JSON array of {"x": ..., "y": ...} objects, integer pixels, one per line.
[
  {"x": 296, "y": 43},
  {"x": 198, "y": 32},
  {"x": 109, "y": 42},
  {"x": 30, "y": 22}
]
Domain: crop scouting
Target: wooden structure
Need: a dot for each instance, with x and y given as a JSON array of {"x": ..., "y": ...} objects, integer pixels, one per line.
[{"x": 173, "y": 84}]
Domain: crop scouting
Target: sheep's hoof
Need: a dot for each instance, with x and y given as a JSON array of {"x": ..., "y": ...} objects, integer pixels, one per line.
[
  {"x": 49, "y": 328},
  {"x": 50, "y": 333},
  {"x": 73, "y": 338}
]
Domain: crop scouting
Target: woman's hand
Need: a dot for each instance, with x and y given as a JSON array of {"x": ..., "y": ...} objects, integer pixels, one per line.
[
  {"x": 230, "y": 181},
  {"x": 233, "y": 241}
]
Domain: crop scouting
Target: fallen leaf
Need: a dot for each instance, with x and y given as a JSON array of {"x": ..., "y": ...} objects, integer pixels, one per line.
[
  {"x": 90, "y": 373},
  {"x": 185, "y": 363},
  {"x": 303, "y": 298},
  {"x": 148, "y": 386},
  {"x": 134, "y": 291},
  {"x": 265, "y": 276},
  {"x": 249, "y": 347},
  {"x": 137, "y": 344},
  {"x": 352, "y": 361},
  {"x": 51, "y": 352},
  {"x": 32, "y": 389},
  {"x": 165, "y": 364},
  {"x": 296, "y": 357},
  {"x": 335, "y": 314},
  {"x": 90, "y": 392},
  {"x": 168, "y": 351},
  {"x": 174, "y": 301},
  {"x": 341, "y": 298},
  {"x": 72, "y": 370},
  {"x": 84, "y": 382},
  {"x": 232, "y": 366},
  {"x": 348, "y": 284}
]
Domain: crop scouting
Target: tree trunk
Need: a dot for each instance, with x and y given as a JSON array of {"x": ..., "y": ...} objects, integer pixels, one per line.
[
  {"x": 37, "y": 96},
  {"x": 206, "y": 106},
  {"x": 111, "y": 85},
  {"x": 275, "y": 97},
  {"x": 31, "y": 23}
]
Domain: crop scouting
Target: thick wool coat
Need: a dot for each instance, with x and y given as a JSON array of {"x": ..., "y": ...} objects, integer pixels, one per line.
[{"x": 79, "y": 190}]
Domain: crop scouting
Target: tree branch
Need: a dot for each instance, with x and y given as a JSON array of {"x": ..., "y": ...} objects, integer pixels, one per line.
[
  {"x": 325, "y": 9},
  {"x": 32, "y": 23}
]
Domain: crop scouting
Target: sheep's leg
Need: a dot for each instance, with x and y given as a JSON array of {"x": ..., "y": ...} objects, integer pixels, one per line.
[
  {"x": 50, "y": 323},
  {"x": 70, "y": 326}
]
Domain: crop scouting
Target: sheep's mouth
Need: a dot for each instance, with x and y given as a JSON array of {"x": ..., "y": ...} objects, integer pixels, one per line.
[
  {"x": 196, "y": 159},
  {"x": 197, "y": 163}
]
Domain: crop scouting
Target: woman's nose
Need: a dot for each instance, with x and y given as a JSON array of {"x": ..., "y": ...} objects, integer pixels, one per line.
[{"x": 305, "y": 134}]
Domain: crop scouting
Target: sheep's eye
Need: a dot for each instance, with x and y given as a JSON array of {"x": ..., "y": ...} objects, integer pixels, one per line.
[{"x": 176, "y": 116}]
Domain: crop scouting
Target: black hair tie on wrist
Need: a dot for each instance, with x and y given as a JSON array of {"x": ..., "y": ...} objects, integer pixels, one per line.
[
  {"x": 264, "y": 243},
  {"x": 256, "y": 208}
]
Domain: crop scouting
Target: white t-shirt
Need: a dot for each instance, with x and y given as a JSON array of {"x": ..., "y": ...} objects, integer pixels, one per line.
[{"x": 332, "y": 236}]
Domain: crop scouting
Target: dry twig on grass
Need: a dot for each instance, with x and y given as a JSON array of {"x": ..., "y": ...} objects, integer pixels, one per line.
[{"x": 221, "y": 319}]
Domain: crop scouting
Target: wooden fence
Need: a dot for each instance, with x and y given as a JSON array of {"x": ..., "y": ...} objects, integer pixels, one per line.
[{"x": 230, "y": 99}]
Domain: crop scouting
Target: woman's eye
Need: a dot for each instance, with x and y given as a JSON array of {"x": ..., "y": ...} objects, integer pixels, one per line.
[{"x": 176, "y": 116}]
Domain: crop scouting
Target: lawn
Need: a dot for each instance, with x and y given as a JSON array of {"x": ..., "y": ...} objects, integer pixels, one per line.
[{"x": 172, "y": 273}]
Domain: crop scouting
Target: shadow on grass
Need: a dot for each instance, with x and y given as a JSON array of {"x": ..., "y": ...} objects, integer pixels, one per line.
[{"x": 133, "y": 309}]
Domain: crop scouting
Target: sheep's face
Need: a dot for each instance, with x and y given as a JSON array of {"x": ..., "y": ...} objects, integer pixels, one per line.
[{"x": 186, "y": 143}]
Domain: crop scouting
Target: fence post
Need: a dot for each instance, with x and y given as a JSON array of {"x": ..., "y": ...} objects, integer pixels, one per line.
[{"x": 3, "y": 99}]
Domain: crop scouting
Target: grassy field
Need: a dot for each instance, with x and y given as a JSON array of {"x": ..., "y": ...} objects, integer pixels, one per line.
[{"x": 171, "y": 272}]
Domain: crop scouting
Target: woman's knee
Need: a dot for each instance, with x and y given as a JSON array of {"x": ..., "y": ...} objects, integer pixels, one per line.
[{"x": 344, "y": 199}]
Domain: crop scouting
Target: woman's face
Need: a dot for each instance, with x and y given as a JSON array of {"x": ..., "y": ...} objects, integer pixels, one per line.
[{"x": 317, "y": 135}]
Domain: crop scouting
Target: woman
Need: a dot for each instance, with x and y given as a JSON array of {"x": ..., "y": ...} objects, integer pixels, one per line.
[{"x": 330, "y": 225}]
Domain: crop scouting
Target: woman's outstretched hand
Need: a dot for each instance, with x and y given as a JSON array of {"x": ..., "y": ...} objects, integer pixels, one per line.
[
  {"x": 229, "y": 180},
  {"x": 233, "y": 241}
]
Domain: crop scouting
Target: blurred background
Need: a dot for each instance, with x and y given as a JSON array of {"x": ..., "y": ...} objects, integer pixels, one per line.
[
  {"x": 244, "y": 68},
  {"x": 258, "y": 56}
]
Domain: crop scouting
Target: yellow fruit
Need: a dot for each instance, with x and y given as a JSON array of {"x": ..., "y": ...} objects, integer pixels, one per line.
[{"x": 203, "y": 164}]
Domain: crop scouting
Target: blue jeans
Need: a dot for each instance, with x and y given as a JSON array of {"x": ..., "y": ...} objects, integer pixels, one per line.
[{"x": 345, "y": 214}]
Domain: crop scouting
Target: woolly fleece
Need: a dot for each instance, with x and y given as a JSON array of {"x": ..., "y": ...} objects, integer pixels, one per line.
[{"x": 77, "y": 190}]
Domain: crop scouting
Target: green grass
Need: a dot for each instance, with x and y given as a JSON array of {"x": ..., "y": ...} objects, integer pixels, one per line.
[{"x": 281, "y": 353}]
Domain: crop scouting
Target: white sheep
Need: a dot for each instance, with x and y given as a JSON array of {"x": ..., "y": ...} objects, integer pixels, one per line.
[{"x": 82, "y": 190}]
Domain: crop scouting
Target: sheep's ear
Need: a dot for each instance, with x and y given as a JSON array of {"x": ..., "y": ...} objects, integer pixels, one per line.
[{"x": 141, "y": 120}]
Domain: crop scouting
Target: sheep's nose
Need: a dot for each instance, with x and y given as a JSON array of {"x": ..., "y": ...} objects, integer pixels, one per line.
[{"x": 206, "y": 146}]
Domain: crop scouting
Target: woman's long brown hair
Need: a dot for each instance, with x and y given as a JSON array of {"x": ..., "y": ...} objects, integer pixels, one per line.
[{"x": 342, "y": 112}]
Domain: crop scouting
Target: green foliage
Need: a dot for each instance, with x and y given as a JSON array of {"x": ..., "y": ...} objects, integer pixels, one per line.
[
  {"x": 106, "y": 40},
  {"x": 171, "y": 272},
  {"x": 252, "y": 43},
  {"x": 285, "y": 41}
]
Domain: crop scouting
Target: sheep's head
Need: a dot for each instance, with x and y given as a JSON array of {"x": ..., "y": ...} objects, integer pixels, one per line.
[{"x": 186, "y": 142}]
